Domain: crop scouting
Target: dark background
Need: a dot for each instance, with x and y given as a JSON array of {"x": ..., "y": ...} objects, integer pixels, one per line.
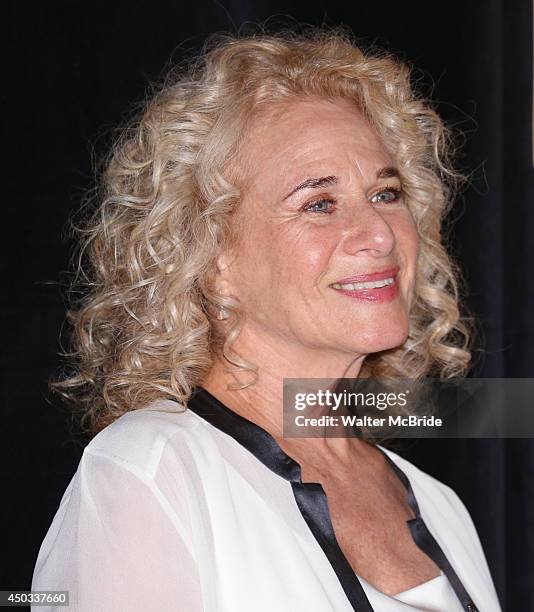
[{"x": 73, "y": 72}]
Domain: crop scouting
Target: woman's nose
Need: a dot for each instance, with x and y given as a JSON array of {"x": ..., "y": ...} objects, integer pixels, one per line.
[{"x": 368, "y": 231}]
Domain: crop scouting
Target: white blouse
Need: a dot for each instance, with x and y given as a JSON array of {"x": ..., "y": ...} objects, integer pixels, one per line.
[
  {"x": 435, "y": 595},
  {"x": 199, "y": 510}
]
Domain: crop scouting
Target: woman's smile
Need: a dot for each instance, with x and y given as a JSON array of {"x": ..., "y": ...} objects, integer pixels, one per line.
[{"x": 372, "y": 287}]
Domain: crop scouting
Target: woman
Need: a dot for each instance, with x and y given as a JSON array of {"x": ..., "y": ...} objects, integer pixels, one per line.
[{"x": 238, "y": 222}]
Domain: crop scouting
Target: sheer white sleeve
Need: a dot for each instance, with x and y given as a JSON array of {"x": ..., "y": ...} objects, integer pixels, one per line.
[{"x": 120, "y": 540}]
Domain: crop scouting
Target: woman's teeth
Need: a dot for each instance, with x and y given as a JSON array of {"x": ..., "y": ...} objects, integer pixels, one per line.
[{"x": 370, "y": 285}]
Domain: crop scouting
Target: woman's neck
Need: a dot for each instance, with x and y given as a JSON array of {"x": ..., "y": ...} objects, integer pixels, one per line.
[{"x": 262, "y": 402}]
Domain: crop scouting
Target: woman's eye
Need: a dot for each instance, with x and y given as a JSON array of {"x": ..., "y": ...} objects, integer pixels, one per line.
[
  {"x": 389, "y": 194},
  {"x": 321, "y": 206}
]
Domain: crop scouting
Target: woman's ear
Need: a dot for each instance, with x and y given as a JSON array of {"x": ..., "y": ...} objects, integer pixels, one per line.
[{"x": 224, "y": 275}]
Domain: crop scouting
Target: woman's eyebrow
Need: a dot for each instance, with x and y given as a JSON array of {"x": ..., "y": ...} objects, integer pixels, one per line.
[
  {"x": 317, "y": 183},
  {"x": 387, "y": 172},
  {"x": 313, "y": 183}
]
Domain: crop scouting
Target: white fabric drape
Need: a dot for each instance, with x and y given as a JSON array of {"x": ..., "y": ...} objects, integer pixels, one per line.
[{"x": 168, "y": 513}]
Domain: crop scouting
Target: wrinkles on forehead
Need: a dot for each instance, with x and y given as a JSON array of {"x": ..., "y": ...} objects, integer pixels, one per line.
[
  {"x": 294, "y": 141},
  {"x": 258, "y": 126}
]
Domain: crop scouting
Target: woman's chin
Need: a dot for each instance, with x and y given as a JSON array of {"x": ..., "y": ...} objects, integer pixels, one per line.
[{"x": 380, "y": 339}]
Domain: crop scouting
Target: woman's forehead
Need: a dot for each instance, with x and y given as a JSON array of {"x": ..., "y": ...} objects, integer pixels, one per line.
[
  {"x": 305, "y": 116},
  {"x": 311, "y": 136}
]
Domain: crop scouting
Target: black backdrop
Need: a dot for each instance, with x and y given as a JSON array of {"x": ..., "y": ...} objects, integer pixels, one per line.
[{"x": 74, "y": 69}]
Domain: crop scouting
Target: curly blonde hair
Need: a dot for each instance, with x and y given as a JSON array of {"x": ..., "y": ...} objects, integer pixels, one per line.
[{"x": 146, "y": 326}]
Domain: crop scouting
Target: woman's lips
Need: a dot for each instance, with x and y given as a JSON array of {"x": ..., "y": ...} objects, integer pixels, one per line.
[
  {"x": 362, "y": 287},
  {"x": 373, "y": 276}
]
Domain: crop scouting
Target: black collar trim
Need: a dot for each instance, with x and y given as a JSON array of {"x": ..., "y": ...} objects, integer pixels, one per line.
[{"x": 312, "y": 502}]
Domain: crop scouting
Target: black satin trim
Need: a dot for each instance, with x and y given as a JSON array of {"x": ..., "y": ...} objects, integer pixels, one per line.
[
  {"x": 312, "y": 501},
  {"x": 310, "y": 496},
  {"x": 428, "y": 544}
]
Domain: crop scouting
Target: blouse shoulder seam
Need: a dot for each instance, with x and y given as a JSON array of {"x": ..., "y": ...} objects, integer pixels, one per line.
[
  {"x": 158, "y": 494},
  {"x": 161, "y": 442},
  {"x": 127, "y": 465}
]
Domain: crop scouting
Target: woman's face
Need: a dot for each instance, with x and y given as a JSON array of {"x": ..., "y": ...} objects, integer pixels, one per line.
[{"x": 322, "y": 204}]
